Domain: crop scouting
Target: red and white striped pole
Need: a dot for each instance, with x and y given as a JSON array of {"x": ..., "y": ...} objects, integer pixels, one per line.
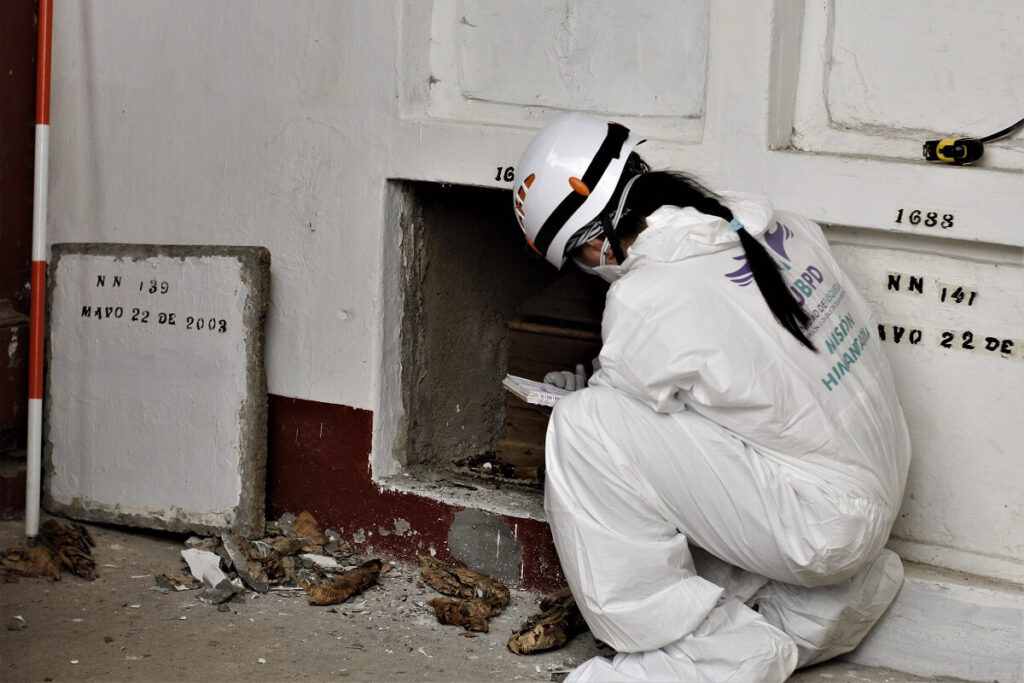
[{"x": 33, "y": 477}]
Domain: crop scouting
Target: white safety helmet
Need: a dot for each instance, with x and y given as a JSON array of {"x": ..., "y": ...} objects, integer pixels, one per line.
[{"x": 566, "y": 177}]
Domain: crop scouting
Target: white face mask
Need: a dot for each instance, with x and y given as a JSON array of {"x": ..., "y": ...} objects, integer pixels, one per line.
[{"x": 609, "y": 273}]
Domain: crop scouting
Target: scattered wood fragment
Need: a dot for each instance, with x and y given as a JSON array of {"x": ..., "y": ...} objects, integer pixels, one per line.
[
  {"x": 178, "y": 583},
  {"x": 286, "y": 546},
  {"x": 464, "y": 583},
  {"x": 341, "y": 587},
  {"x": 529, "y": 472},
  {"x": 69, "y": 544},
  {"x": 557, "y": 623},
  {"x": 472, "y": 614},
  {"x": 28, "y": 562},
  {"x": 306, "y": 526}
]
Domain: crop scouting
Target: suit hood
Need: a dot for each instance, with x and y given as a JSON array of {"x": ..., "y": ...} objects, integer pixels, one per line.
[{"x": 676, "y": 234}]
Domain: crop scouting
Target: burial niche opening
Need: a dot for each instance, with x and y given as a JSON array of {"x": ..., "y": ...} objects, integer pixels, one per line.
[{"x": 478, "y": 305}]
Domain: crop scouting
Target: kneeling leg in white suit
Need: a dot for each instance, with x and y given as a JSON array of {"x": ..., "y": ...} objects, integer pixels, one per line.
[{"x": 627, "y": 489}]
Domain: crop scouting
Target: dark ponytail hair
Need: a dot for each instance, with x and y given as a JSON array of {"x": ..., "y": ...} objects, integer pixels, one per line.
[{"x": 659, "y": 188}]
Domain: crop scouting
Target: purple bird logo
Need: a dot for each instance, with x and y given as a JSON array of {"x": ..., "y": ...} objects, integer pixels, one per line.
[{"x": 776, "y": 240}]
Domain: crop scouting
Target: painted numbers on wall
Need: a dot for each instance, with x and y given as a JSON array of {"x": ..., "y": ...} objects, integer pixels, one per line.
[
  {"x": 943, "y": 291},
  {"x": 964, "y": 340},
  {"x": 945, "y": 294},
  {"x": 145, "y": 315},
  {"x": 929, "y": 219}
]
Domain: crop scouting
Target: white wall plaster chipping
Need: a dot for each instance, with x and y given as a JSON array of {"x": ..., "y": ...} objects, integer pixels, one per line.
[{"x": 156, "y": 403}]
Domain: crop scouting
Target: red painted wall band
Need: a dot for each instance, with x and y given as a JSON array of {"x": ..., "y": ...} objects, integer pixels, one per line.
[
  {"x": 37, "y": 324},
  {"x": 318, "y": 460},
  {"x": 43, "y": 62}
]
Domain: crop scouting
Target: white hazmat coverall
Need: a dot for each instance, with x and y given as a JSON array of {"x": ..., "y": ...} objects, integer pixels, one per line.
[{"x": 720, "y": 495}]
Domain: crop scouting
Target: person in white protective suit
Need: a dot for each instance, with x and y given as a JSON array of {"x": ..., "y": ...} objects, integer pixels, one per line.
[{"x": 721, "y": 491}]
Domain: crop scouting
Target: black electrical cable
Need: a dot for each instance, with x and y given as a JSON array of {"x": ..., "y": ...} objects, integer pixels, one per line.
[
  {"x": 1003, "y": 133},
  {"x": 960, "y": 151}
]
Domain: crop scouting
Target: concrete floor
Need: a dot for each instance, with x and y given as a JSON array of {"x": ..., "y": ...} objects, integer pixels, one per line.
[{"x": 123, "y": 627}]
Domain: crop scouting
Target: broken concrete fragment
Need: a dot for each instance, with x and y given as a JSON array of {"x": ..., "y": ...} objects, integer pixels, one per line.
[
  {"x": 17, "y": 623},
  {"x": 325, "y": 562},
  {"x": 284, "y": 524},
  {"x": 222, "y": 553},
  {"x": 250, "y": 571},
  {"x": 332, "y": 536},
  {"x": 471, "y": 614},
  {"x": 221, "y": 593},
  {"x": 204, "y": 565},
  {"x": 464, "y": 583},
  {"x": 343, "y": 586}
]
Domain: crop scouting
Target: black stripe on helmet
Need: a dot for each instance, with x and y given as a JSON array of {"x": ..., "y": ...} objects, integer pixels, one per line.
[{"x": 610, "y": 149}]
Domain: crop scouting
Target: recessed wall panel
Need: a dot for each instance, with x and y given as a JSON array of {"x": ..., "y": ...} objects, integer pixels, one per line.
[
  {"x": 509, "y": 63},
  {"x": 637, "y": 59},
  {"x": 944, "y": 65},
  {"x": 879, "y": 78}
]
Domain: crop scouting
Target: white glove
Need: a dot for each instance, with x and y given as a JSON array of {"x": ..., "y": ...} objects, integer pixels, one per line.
[{"x": 570, "y": 381}]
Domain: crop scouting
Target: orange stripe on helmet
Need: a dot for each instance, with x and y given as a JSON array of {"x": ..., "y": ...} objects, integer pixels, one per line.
[{"x": 579, "y": 186}]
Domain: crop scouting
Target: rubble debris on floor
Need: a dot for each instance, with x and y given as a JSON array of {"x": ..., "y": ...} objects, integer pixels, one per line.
[
  {"x": 294, "y": 555},
  {"x": 297, "y": 554},
  {"x": 28, "y": 562},
  {"x": 69, "y": 543},
  {"x": 145, "y": 618},
  {"x": 124, "y": 627},
  {"x": 305, "y": 526},
  {"x": 476, "y": 597},
  {"x": 340, "y": 587},
  {"x": 473, "y": 615},
  {"x": 60, "y": 544},
  {"x": 557, "y": 623}
]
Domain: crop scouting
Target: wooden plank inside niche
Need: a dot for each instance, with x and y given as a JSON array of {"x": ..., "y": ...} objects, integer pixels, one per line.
[{"x": 555, "y": 330}]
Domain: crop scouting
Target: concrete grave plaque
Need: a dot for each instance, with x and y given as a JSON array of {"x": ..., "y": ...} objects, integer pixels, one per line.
[{"x": 156, "y": 401}]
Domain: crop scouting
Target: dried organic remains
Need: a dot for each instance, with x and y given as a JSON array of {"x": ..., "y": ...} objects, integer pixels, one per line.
[
  {"x": 341, "y": 587},
  {"x": 557, "y": 623},
  {"x": 28, "y": 562},
  {"x": 477, "y": 596},
  {"x": 471, "y": 614},
  {"x": 464, "y": 583},
  {"x": 69, "y": 543}
]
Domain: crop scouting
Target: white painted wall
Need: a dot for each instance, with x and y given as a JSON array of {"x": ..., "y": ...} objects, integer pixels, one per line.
[{"x": 278, "y": 124}]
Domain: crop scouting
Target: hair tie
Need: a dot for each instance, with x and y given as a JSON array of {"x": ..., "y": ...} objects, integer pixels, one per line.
[{"x": 736, "y": 225}]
